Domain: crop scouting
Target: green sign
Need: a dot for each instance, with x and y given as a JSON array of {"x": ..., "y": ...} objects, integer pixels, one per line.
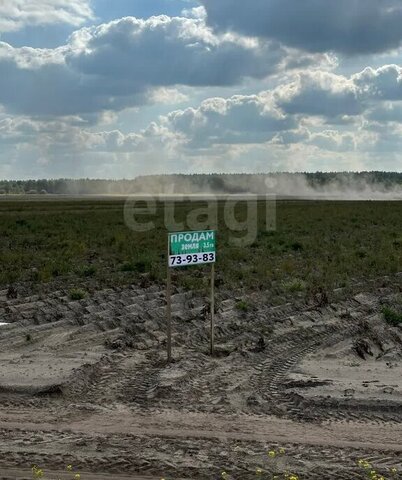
[{"x": 192, "y": 248}]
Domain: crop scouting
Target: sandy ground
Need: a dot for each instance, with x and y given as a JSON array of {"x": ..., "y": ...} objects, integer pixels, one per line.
[{"x": 86, "y": 383}]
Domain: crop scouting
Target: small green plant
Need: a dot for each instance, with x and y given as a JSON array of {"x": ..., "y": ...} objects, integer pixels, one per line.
[
  {"x": 77, "y": 294},
  {"x": 297, "y": 247},
  {"x": 392, "y": 317},
  {"x": 242, "y": 305},
  {"x": 128, "y": 267},
  {"x": 141, "y": 266},
  {"x": 44, "y": 274},
  {"x": 397, "y": 243},
  {"x": 294, "y": 285},
  {"x": 88, "y": 271}
]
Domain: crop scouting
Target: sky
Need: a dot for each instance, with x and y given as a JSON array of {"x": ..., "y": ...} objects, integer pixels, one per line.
[{"x": 117, "y": 89}]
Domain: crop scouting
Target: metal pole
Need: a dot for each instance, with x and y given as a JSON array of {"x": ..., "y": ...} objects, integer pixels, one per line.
[
  {"x": 213, "y": 309},
  {"x": 169, "y": 309}
]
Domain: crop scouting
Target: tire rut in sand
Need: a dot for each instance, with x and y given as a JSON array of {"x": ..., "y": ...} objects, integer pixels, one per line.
[{"x": 286, "y": 352}]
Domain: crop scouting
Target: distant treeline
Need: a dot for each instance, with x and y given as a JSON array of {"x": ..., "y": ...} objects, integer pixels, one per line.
[
  {"x": 207, "y": 183},
  {"x": 64, "y": 186}
]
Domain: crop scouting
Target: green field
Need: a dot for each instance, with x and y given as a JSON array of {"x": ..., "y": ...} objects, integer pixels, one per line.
[{"x": 315, "y": 245}]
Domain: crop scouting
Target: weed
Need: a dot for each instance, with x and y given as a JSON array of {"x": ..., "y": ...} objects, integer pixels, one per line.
[
  {"x": 128, "y": 267},
  {"x": 77, "y": 294},
  {"x": 296, "y": 246},
  {"x": 242, "y": 305},
  {"x": 141, "y": 266},
  {"x": 397, "y": 243},
  {"x": 21, "y": 222},
  {"x": 392, "y": 317},
  {"x": 294, "y": 285},
  {"x": 86, "y": 271}
]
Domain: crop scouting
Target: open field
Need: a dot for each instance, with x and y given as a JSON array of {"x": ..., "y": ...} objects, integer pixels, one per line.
[
  {"x": 315, "y": 245},
  {"x": 308, "y": 331}
]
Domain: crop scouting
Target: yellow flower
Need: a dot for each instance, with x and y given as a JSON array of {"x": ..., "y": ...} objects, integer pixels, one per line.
[
  {"x": 364, "y": 463},
  {"x": 69, "y": 468},
  {"x": 37, "y": 472},
  {"x": 77, "y": 476},
  {"x": 272, "y": 454},
  {"x": 258, "y": 471},
  {"x": 282, "y": 451},
  {"x": 225, "y": 476}
]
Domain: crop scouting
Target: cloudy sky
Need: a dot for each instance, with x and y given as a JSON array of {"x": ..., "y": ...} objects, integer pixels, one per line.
[{"x": 112, "y": 89}]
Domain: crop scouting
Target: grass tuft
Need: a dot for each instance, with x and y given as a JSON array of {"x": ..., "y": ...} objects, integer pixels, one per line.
[
  {"x": 392, "y": 317},
  {"x": 77, "y": 294}
]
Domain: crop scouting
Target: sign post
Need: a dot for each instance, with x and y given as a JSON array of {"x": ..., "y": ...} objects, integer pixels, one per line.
[
  {"x": 169, "y": 313},
  {"x": 212, "y": 346},
  {"x": 186, "y": 249}
]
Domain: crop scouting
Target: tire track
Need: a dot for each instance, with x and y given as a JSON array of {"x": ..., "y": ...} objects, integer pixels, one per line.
[{"x": 287, "y": 351}]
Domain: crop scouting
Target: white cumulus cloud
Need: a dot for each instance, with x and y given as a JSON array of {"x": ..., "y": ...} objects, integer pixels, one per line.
[
  {"x": 16, "y": 14},
  {"x": 120, "y": 64}
]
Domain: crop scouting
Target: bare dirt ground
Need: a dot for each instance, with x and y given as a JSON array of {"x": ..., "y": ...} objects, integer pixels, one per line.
[{"x": 86, "y": 383}]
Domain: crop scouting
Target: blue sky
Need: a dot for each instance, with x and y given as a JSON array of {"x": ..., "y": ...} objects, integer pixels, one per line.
[
  {"x": 94, "y": 88},
  {"x": 50, "y": 36}
]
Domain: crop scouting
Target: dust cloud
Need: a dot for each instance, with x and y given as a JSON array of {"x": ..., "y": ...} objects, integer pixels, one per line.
[{"x": 348, "y": 186}]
